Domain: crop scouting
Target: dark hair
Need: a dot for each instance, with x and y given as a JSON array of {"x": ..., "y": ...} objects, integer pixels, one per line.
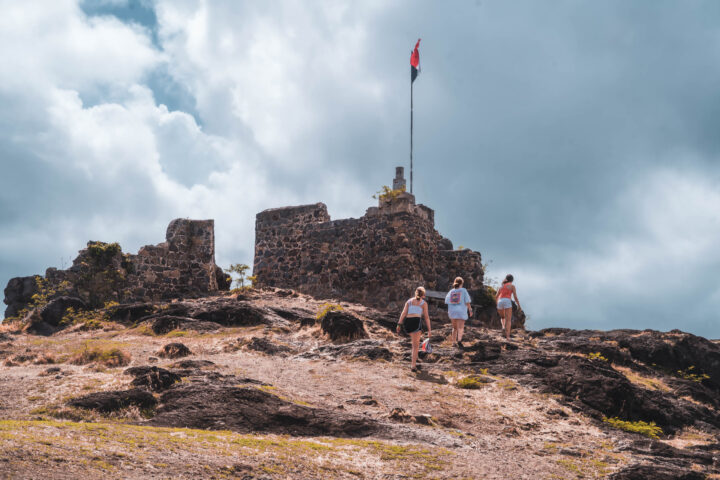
[
  {"x": 458, "y": 282},
  {"x": 509, "y": 278},
  {"x": 419, "y": 293}
]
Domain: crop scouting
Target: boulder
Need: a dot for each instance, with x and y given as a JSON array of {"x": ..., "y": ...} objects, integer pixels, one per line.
[
  {"x": 55, "y": 310},
  {"x": 174, "y": 350},
  {"x": 107, "y": 402},
  {"x": 166, "y": 323},
  {"x": 342, "y": 326},
  {"x": 230, "y": 314},
  {"x": 266, "y": 346},
  {"x": 151, "y": 377},
  {"x": 18, "y": 294},
  {"x": 130, "y": 313}
]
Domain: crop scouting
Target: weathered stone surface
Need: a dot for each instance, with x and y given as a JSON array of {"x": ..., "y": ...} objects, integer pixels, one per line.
[
  {"x": 377, "y": 260},
  {"x": 234, "y": 314},
  {"x": 343, "y": 326},
  {"x": 655, "y": 472},
  {"x": 264, "y": 345},
  {"x": 166, "y": 323},
  {"x": 111, "y": 401},
  {"x": 151, "y": 377},
  {"x": 130, "y": 313},
  {"x": 174, "y": 350},
  {"x": 248, "y": 409},
  {"x": 18, "y": 294},
  {"x": 370, "y": 349},
  {"x": 182, "y": 266},
  {"x": 53, "y": 312}
]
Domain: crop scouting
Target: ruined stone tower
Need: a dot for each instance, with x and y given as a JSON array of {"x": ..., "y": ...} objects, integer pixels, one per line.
[{"x": 378, "y": 259}]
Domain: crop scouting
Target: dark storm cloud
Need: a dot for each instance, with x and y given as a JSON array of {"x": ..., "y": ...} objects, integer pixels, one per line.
[{"x": 574, "y": 143}]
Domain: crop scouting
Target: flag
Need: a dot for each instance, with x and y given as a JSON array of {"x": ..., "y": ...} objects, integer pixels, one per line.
[{"x": 414, "y": 62}]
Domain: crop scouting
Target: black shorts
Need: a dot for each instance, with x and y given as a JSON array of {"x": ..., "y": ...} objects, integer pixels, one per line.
[{"x": 412, "y": 324}]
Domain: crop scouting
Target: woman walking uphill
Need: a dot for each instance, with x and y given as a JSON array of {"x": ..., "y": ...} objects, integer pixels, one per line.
[
  {"x": 415, "y": 309},
  {"x": 504, "y": 303},
  {"x": 458, "y": 302}
]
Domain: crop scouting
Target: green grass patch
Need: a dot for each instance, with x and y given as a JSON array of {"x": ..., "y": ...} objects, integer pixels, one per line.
[
  {"x": 326, "y": 308},
  {"x": 643, "y": 428},
  {"x": 472, "y": 382},
  {"x": 596, "y": 356}
]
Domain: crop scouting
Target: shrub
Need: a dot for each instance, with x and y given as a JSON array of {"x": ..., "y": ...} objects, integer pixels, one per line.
[
  {"x": 387, "y": 194},
  {"x": 689, "y": 374},
  {"x": 89, "y": 320},
  {"x": 643, "y": 428},
  {"x": 596, "y": 356},
  {"x": 326, "y": 308},
  {"x": 471, "y": 383},
  {"x": 110, "y": 357},
  {"x": 239, "y": 269}
]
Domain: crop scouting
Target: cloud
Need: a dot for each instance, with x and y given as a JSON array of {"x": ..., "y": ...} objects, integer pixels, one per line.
[{"x": 573, "y": 145}]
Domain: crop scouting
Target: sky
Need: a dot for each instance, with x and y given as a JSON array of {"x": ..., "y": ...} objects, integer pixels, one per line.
[{"x": 573, "y": 143}]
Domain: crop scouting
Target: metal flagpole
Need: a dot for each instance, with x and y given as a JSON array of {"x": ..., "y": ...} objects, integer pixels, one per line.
[{"x": 411, "y": 136}]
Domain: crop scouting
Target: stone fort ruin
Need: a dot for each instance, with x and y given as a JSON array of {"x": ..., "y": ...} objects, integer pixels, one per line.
[
  {"x": 182, "y": 266},
  {"x": 377, "y": 260}
]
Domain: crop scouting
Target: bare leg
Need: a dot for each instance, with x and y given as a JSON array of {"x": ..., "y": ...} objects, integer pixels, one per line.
[
  {"x": 415, "y": 339},
  {"x": 508, "y": 322},
  {"x": 460, "y": 329},
  {"x": 453, "y": 335},
  {"x": 501, "y": 314}
]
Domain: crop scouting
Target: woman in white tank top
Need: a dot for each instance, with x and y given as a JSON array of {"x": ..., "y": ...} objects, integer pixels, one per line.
[{"x": 415, "y": 309}]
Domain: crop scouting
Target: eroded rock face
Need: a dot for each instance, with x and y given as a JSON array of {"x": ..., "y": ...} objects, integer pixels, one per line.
[
  {"x": 107, "y": 402},
  {"x": 342, "y": 326},
  {"x": 249, "y": 409},
  {"x": 152, "y": 378},
  {"x": 182, "y": 266},
  {"x": 18, "y": 294},
  {"x": 53, "y": 312},
  {"x": 654, "y": 472},
  {"x": 174, "y": 350}
]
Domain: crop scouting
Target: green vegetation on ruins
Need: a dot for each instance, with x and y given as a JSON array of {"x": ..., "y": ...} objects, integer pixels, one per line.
[{"x": 387, "y": 194}]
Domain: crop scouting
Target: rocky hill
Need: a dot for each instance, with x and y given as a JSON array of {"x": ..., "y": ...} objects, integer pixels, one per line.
[{"x": 269, "y": 383}]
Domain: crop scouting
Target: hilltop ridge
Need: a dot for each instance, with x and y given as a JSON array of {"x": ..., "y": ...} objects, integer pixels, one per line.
[{"x": 271, "y": 383}]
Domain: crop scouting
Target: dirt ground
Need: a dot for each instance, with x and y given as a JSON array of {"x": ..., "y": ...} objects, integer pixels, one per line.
[{"x": 501, "y": 430}]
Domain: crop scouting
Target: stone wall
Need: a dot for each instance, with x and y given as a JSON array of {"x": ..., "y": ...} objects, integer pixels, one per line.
[
  {"x": 182, "y": 266},
  {"x": 378, "y": 259}
]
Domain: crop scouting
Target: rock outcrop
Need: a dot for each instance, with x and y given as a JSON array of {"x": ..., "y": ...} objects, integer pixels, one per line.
[{"x": 181, "y": 267}]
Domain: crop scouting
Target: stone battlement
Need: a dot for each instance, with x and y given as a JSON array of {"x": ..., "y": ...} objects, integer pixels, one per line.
[
  {"x": 378, "y": 259},
  {"x": 182, "y": 266}
]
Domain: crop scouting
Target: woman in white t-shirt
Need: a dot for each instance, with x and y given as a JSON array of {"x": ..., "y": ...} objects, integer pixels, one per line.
[{"x": 459, "y": 309}]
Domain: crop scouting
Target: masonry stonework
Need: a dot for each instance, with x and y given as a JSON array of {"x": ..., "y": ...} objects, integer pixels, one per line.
[
  {"x": 182, "y": 266},
  {"x": 378, "y": 259}
]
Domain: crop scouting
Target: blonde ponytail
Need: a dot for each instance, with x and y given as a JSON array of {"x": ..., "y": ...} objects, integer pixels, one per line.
[
  {"x": 458, "y": 282},
  {"x": 419, "y": 293}
]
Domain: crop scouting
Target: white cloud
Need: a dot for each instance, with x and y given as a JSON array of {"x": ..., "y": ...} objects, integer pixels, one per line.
[{"x": 637, "y": 278}]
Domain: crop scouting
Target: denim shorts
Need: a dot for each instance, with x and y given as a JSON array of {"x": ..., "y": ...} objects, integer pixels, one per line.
[{"x": 504, "y": 303}]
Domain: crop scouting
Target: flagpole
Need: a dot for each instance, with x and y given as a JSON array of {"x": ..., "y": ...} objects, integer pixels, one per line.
[{"x": 411, "y": 136}]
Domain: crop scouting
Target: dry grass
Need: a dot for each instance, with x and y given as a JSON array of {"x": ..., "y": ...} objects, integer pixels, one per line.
[
  {"x": 643, "y": 381},
  {"x": 111, "y": 357}
]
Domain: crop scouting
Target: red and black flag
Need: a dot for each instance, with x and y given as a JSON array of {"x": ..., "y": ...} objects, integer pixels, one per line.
[{"x": 415, "y": 62}]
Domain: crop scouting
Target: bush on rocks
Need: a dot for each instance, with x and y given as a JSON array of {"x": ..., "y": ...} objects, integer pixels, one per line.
[{"x": 174, "y": 350}]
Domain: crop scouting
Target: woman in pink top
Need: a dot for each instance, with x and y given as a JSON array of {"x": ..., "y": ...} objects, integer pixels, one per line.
[{"x": 504, "y": 303}]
